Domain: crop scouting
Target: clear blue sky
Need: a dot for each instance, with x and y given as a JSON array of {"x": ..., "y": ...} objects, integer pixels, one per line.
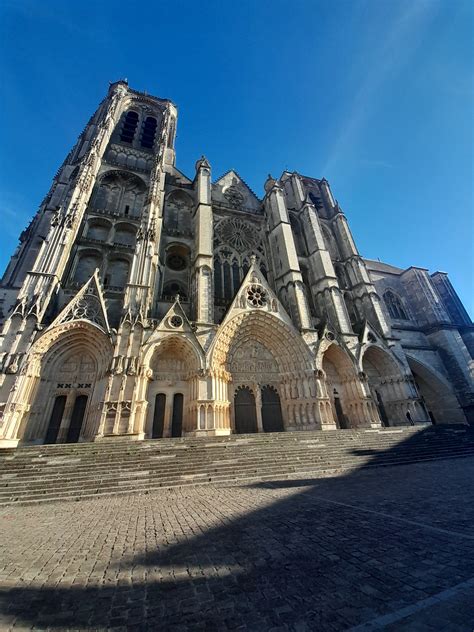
[{"x": 375, "y": 95}]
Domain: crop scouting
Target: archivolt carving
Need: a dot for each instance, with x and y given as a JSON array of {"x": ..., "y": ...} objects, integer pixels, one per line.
[
  {"x": 64, "y": 339},
  {"x": 177, "y": 354},
  {"x": 285, "y": 345}
]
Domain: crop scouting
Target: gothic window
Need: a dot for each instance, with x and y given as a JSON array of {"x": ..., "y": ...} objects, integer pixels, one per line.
[
  {"x": 236, "y": 276},
  {"x": 172, "y": 288},
  {"x": 149, "y": 131},
  {"x": 330, "y": 242},
  {"x": 86, "y": 266},
  {"x": 316, "y": 200},
  {"x": 394, "y": 305},
  {"x": 300, "y": 241},
  {"x": 235, "y": 242},
  {"x": 351, "y": 309},
  {"x": 98, "y": 230},
  {"x": 177, "y": 216},
  {"x": 129, "y": 127},
  {"x": 124, "y": 235},
  {"x": 227, "y": 281},
  {"x": 120, "y": 192},
  {"x": 177, "y": 257},
  {"x": 217, "y": 278},
  {"x": 117, "y": 273},
  {"x": 341, "y": 276},
  {"x": 307, "y": 290}
]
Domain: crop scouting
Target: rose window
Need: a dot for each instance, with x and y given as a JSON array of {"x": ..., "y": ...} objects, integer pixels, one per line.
[
  {"x": 238, "y": 234},
  {"x": 176, "y": 321},
  {"x": 256, "y": 295}
]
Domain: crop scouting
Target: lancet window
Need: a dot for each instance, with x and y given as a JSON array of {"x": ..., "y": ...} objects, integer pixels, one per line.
[
  {"x": 235, "y": 242},
  {"x": 395, "y": 306},
  {"x": 129, "y": 127},
  {"x": 149, "y": 132}
]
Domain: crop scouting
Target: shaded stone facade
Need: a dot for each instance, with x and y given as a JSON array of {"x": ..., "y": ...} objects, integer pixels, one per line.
[{"x": 143, "y": 303}]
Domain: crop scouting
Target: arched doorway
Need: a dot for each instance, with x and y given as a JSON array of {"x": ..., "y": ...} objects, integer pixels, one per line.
[
  {"x": 177, "y": 419},
  {"x": 437, "y": 395},
  {"x": 386, "y": 385},
  {"x": 173, "y": 364},
  {"x": 272, "y": 418},
  {"x": 338, "y": 369},
  {"x": 159, "y": 416},
  {"x": 72, "y": 364},
  {"x": 245, "y": 411}
]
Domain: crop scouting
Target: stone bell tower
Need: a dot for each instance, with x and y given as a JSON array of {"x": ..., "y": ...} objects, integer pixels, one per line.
[{"x": 102, "y": 216}]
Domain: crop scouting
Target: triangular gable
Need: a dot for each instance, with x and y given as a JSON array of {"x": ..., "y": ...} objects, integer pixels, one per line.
[
  {"x": 231, "y": 190},
  {"x": 255, "y": 294},
  {"x": 370, "y": 336},
  {"x": 174, "y": 321},
  {"x": 177, "y": 175},
  {"x": 88, "y": 304}
]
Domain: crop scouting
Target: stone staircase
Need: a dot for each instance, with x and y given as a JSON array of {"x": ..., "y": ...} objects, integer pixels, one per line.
[{"x": 80, "y": 471}]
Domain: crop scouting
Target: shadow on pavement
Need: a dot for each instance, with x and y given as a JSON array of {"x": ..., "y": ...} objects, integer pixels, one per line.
[{"x": 320, "y": 554}]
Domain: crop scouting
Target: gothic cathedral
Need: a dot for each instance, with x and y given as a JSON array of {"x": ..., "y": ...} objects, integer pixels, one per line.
[{"x": 144, "y": 303}]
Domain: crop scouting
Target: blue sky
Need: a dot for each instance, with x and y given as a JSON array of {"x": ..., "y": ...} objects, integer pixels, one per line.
[{"x": 375, "y": 95}]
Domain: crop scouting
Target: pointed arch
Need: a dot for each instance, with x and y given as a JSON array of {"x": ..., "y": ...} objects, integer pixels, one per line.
[
  {"x": 70, "y": 361},
  {"x": 395, "y": 305},
  {"x": 178, "y": 345},
  {"x": 286, "y": 345},
  {"x": 387, "y": 384},
  {"x": 436, "y": 392}
]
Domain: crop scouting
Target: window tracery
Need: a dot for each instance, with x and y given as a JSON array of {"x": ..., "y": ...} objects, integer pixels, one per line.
[
  {"x": 120, "y": 193},
  {"x": 235, "y": 242},
  {"x": 395, "y": 305}
]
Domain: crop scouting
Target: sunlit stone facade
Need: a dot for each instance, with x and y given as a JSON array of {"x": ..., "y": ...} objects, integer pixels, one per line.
[{"x": 145, "y": 303}]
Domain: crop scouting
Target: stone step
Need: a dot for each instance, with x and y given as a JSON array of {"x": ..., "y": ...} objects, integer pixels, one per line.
[
  {"x": 111, "y": 445},
  {"x": 136, "y": 457},
  {"x": 75, "y": 463},
  {"x": 147, "y": 476},
  {"x": 26, "y": 454},
  {"x": 216, "y": 480},
  {"x": 76, "y": 471}
]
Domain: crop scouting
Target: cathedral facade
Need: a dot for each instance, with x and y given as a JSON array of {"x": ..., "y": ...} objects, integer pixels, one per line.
[{"x": 144, "y": 303}]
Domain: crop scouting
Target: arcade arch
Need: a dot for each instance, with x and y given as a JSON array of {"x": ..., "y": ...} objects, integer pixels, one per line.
[
  {"x": 437, "y": 395},
  {"x": 261, "y": 353},
  {"x": 342, "y": 392},
  {"x": 66, "y": 381},
  {"x": 173, "y": 366},
  {"x": 389, "y": 387}
]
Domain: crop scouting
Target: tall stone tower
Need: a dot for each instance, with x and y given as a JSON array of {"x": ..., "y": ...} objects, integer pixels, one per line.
[{"x": 144, "y": 303}]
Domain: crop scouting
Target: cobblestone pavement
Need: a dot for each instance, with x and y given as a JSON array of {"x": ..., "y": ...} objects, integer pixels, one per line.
[{"x": 390, "y": 549}]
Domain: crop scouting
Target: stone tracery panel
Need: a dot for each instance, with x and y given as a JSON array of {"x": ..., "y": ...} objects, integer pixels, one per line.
[{"x": 235, "y": 242}]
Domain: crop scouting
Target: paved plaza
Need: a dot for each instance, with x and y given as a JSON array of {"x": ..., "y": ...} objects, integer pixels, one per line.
[{"x": 391, "y": 548}]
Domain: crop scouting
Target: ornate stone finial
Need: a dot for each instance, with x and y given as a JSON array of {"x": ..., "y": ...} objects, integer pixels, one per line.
[
  {"x": 176, "y": 298},
  {"x": 202, "y": 163},
  {"x": 270, "y": 182},
  {"x": 253, "y": 260}
]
